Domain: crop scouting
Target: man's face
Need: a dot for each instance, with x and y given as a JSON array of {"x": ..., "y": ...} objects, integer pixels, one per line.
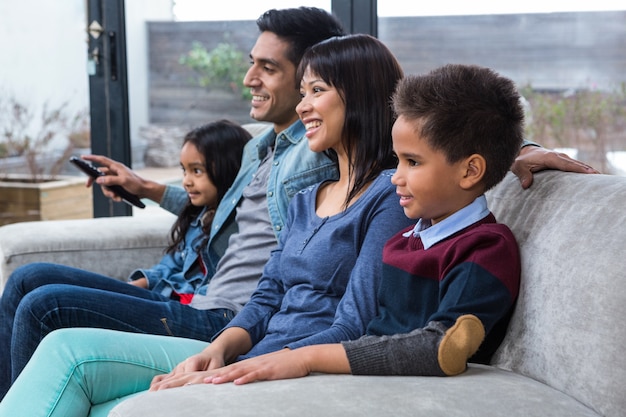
[{"x": 271, "y": 79}]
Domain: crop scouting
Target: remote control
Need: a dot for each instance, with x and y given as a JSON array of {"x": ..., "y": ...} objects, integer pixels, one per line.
[{"x": 94, "y": 173}]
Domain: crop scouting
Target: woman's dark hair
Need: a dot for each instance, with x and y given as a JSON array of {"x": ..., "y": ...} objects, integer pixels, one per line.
[
  {"x": 365, "y": 73},
  {"x": 221, "y": 143}
]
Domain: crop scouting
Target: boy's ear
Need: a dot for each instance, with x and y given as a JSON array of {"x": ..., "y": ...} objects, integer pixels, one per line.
[{"x": 474, "y": 167}]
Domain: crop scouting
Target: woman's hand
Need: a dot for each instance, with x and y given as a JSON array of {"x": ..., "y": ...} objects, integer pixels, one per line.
[
  {"x": 192, "y": 370},
  {"x": 226, "y": 347}
]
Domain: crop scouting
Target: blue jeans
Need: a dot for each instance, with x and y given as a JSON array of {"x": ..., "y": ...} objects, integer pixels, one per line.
[
  {"x": 40, "y": 297},
  {"x": 86, "y": 372}
]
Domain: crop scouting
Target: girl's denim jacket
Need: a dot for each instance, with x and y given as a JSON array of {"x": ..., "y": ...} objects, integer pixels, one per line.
[
  {"x": 177, "y": 271},
  {"x": 294, "y": 167}
]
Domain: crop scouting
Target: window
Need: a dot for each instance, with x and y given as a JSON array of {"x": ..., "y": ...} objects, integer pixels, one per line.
[{"x": 569, "y": 64}]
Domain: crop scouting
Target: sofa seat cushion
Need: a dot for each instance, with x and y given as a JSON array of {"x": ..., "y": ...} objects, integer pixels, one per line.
[{"x": 481, "y": 391}]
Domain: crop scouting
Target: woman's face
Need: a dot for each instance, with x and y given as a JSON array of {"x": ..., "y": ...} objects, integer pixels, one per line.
[
  {"x": 322, "y": 111},
  {"x": 200, "y": 189}
]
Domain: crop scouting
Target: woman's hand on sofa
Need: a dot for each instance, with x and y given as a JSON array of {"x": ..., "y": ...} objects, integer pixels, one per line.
[
  {"x": 532, "y": 159},
  {"x": 190, "y": 371},
  {"x": 226, "y": 347}
]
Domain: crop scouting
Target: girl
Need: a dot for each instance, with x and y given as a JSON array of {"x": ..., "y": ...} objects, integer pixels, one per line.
[{"x": 210, "y": 158}]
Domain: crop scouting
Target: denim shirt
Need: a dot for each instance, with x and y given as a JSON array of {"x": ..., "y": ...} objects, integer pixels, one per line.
[
  {"x": 294, "y": 168},
  {"x": 177, "y": 271}
]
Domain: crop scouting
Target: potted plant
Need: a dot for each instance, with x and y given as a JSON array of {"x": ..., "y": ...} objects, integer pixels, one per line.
[{"x": 35, "y": 145}]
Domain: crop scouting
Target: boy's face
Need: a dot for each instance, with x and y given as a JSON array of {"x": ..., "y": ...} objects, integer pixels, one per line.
[
  {"x": 427, "y": 184},
  {"x": 271, "y": 79}
]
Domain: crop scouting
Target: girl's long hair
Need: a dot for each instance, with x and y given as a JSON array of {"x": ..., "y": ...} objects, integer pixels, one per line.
[
  {"x": 365, "y": 73},
  {"x": 221, "y": 143}
]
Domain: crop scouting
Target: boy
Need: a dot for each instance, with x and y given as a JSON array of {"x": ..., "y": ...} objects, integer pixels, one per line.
[{"x": 454, "y": 277}]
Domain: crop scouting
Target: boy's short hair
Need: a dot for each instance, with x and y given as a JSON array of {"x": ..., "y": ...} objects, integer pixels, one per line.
[{"x": 462, "y": 110}]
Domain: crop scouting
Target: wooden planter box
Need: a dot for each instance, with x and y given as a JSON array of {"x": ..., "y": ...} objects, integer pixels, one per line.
[{"x": 62, "y": 198}]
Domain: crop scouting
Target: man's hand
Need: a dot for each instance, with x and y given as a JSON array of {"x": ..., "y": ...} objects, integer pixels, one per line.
[
  {"x": 119, "y": 174},
  {"x": 533, "y": 159}
]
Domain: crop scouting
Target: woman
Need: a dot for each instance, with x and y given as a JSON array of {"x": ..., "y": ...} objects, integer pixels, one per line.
[{"x": 319, "y": 285}]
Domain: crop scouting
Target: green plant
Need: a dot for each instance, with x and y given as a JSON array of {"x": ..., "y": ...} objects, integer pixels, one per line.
[
  {"x": 40, "y": 136},
  {"x": 223, "y": 67},
  {"x": 589, "y": 120}
]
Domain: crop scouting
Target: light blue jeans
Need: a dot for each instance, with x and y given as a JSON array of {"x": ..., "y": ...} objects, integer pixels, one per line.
[{"x": 86, "y": 372}]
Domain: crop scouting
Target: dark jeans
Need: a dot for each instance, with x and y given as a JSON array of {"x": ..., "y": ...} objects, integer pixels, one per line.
[{"x": 40, "y": 297}]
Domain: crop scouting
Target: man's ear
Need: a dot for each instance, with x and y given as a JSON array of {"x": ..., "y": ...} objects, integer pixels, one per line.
[{"x": 474, "y": 167}]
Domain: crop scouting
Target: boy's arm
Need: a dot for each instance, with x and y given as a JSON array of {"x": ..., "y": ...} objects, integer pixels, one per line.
[
  {"x": 477, "y": 292},
  {"x": 434, "y": 350},
  {"x": 285, "y": 364}
]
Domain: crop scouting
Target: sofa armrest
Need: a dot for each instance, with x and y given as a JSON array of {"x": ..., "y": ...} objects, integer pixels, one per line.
[{"x": 112, "y": 246}]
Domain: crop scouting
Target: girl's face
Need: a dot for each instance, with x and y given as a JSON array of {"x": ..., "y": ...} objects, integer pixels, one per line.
[
  {"x": 428, "y": 185},
  {"x": 200, "y": 189},
  {"x": 322, "y": 111}
]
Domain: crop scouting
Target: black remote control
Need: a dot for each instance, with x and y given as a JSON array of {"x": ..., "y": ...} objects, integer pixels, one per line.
[{"x": 94, "y": 173}]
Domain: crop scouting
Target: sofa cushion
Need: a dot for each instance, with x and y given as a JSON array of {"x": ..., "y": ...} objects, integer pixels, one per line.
[
  {"x": 567, "y": 329},
  {"x": 110, "y": 246},
  {"x": 481, "y": 391}
]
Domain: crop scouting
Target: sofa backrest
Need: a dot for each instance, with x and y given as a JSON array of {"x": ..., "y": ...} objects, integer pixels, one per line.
[
  {"x": 567, "y": 329},
  {"x": 112, "y": 246}
]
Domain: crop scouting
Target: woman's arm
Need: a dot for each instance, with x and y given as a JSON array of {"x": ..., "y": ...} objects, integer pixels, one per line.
[{"x": 225, "y": 348}]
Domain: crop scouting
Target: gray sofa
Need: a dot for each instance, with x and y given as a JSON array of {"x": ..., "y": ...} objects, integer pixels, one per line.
[{"x": 563, "y": 354}]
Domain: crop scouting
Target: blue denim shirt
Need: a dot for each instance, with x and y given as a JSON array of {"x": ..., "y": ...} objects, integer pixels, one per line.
[
  {"x": 177, "y": 271},
  {"x": 294, "y": 168}
]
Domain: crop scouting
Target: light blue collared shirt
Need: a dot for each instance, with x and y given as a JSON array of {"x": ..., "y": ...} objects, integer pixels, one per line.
[{"x": 431, "y": 234}]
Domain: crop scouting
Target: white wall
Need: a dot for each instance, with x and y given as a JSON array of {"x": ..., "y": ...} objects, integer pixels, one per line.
[{"x": 43, "y": 52}]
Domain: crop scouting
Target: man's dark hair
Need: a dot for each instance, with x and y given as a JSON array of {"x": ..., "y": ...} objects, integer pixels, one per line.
[
  {"x": 301, "y": 27},
  {"x": 462, "y": 110}
]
